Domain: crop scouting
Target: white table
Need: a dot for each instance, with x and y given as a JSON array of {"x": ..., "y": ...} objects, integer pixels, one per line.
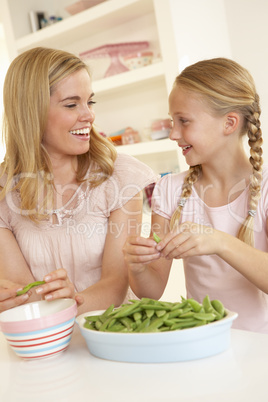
[{"x": 239, "y": 374}]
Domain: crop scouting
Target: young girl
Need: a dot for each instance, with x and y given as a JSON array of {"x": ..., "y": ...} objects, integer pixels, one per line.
[
  {"x": 214, "y": 216},
  {"x": 68, "y": 201}
]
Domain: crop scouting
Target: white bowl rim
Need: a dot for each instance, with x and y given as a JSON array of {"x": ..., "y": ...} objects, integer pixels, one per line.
[{"x": 41, "y": 322}]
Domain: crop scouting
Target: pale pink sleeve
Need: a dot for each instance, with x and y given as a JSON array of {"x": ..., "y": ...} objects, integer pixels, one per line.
[{"x": 130, "y": 176}]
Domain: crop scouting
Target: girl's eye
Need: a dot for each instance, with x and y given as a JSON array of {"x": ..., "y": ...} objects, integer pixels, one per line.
[{"x": 91, "y": 102}]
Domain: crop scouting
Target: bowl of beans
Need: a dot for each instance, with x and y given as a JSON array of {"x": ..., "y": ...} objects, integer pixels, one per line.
[{"x": 150, "y": 331}]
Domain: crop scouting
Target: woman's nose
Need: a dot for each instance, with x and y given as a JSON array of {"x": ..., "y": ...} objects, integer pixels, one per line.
[{"x": 87, "y": 114}]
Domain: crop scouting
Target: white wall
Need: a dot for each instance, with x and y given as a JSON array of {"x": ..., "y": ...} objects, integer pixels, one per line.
[
  {"x": 248, "y": 28},
  {"x": 3, "y": 67}
]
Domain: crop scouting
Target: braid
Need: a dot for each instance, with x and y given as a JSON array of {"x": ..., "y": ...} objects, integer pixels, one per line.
[
  {"x": 255, "y": 142},
  {"x": 227, "y": 87},
  {"x": 191, "y": 177}
]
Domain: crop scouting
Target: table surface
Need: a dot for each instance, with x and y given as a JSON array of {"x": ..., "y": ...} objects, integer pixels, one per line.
[{"x": 238, "y": 374}]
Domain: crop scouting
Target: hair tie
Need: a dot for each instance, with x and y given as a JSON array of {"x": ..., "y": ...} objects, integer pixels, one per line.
[
  {"x": 252, "y": 212},
  {"x": 182, "y": 202}
]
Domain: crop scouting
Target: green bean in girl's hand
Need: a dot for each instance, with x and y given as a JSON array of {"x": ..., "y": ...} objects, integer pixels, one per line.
[
  {"x": 28, "y": 287},
  {"x": 156, "y": 238}
]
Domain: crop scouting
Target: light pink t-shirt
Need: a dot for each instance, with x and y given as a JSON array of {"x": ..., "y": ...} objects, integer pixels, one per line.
[
  {"x": 209, "y": 274},
  {"x": 77, "y": 242}
]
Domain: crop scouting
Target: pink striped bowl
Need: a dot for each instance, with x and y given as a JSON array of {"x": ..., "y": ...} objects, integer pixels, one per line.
[{"x": 39, "y": 329}]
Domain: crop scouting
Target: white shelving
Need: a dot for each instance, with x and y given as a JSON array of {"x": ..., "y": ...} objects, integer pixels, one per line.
[{"x": 133, "y": 98}]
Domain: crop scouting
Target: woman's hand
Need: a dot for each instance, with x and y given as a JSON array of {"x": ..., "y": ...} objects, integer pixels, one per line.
[
  {"x": 8, "y": 292},
  {"x": 189, "y": 239},
  {"x": 58, "y": 286}
]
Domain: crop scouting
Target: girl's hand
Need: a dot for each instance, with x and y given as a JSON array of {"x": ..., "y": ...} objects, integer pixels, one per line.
[
  {"x": 189, "y": 239},
  {"x": 8, "y": 295},
  {"x": 139, "y": 251},
  {"x": 57, "y": 286}
]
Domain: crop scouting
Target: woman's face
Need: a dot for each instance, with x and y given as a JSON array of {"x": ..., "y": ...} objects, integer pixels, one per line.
[
  {"x": 70, "y": 117},
  {"x": 197, "y": 131}
]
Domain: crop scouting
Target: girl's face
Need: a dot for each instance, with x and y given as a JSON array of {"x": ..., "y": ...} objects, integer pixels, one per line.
[
  {"x": 198, "y": 133},
  {"x": 70, "y": 116}
]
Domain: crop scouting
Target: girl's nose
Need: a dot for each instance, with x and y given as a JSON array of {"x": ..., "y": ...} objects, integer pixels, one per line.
[{"x": 174, "y": 134}]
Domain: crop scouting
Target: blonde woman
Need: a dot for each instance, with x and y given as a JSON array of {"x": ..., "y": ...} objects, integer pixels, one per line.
[
  {"x": 214, "y": 216},
  {"x": 68, "y": 201}
]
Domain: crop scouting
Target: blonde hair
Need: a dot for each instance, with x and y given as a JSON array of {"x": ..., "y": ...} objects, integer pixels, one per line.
[
  {"x": 28, "y": 85},
  {"x": 226, "y": 86}
]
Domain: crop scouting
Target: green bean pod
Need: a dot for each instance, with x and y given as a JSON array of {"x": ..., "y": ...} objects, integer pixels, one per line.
[{"x": 28, "y": 287}]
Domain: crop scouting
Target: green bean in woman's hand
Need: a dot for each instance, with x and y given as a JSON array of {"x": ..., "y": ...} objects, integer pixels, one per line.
[
  {"x": 149, "y": 315},
  {"x": 28, "y": 287}
]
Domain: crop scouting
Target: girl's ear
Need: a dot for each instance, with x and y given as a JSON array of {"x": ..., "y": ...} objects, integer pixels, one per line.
[{"x": 231, "y": 123}]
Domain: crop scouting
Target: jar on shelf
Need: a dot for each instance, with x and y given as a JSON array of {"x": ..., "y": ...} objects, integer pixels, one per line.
[
  {"x": 160, "y": 129},
  {"x": 130, "y": 136}
]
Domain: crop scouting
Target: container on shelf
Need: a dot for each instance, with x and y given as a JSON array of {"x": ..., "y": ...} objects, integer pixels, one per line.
[
  {"x": 130, "y": 136},
  {"x": 82, "y": 5},
  {"x": 160, "y": 129},
  {"x": 138, "y": 59},
  {"x": 115, "y": 51}
]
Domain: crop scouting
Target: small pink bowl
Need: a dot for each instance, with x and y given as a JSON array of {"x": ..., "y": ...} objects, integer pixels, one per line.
[{"x": 39, "y": 329}]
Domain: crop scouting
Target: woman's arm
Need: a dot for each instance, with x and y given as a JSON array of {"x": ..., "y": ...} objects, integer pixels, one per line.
[
  {"x": 8, "y": 292},
  {"x": 148, "y": 272},
  {"x": 113, "y": 285},
  {"x": 14, "y": 268}
]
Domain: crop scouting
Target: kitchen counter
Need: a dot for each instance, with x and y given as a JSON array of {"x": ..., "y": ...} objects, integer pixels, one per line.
[{"x": 236, "y": 375}]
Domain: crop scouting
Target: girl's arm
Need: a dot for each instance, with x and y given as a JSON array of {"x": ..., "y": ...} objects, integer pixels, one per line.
[
  {"x": 148, "y": 272},
  {"x": 191, "y": 239}
]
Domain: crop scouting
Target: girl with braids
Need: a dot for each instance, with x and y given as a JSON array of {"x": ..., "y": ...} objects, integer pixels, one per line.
[
  {"x": 68, "y": 201},
  {"x": 214, "y": 216}
]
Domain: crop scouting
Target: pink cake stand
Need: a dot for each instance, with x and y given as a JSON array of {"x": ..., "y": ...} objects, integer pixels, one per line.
[{"x": 114, "y": 51}]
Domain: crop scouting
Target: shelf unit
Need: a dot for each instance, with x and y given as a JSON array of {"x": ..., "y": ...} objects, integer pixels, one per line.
[{"x": 133, "y": 98}]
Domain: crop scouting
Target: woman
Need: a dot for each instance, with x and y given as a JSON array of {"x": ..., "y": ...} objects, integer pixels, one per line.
[{"x": 68, "y": 201}]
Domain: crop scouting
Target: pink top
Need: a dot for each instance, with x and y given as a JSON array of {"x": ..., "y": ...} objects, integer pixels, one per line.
[
  {"x": 77, "y": 242},
  {"x": 210, "y": 274}
]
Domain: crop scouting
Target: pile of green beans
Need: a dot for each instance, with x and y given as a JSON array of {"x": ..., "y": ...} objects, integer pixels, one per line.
[{"x": 149, "y": 315}]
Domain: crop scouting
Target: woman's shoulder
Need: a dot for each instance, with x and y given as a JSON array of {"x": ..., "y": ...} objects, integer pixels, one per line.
[{"x": 128, "y": 167}]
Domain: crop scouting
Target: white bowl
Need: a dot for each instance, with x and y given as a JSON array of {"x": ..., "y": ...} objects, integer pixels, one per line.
[
  {"x": 159, "y": 347},
  {"x": 39, "y": 329}
]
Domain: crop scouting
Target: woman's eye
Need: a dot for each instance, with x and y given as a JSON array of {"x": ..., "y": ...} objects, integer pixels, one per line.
[
  {"x": 71, "y": 105},
  {"x": 91, "y": 102}
]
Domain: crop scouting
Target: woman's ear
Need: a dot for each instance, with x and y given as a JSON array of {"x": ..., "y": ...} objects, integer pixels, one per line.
[{"x": 231, "y": 123}]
